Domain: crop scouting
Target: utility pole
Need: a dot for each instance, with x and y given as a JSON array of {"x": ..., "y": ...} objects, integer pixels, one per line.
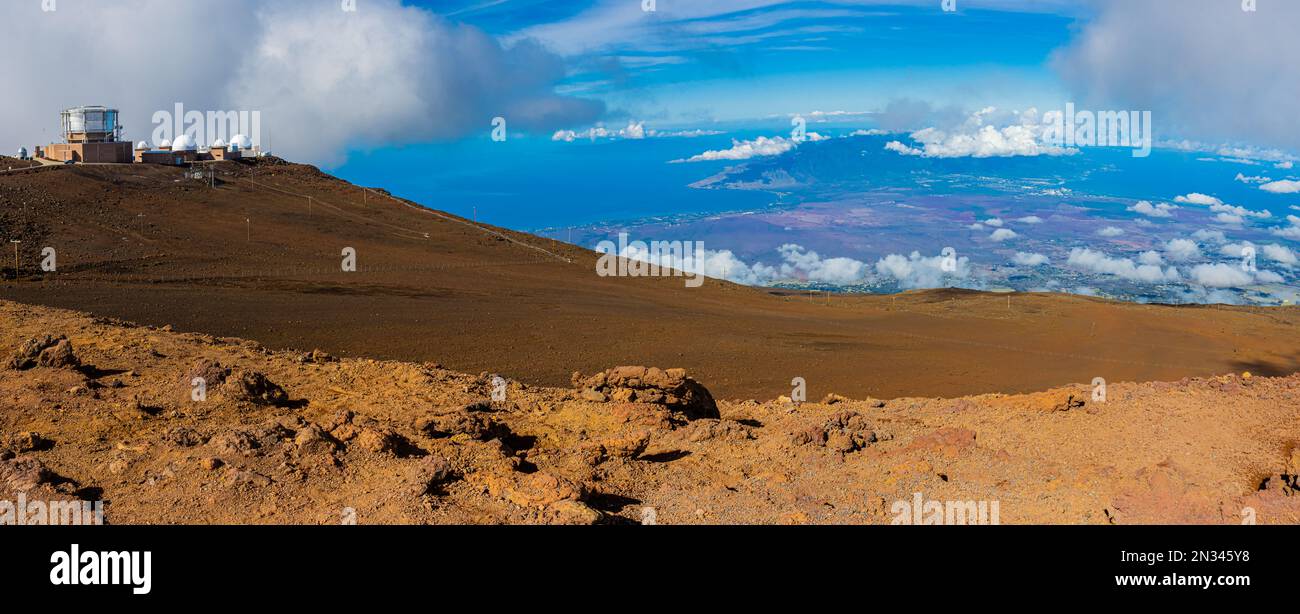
[
  {"x": 248, "y": 230},
  {"x": 15, "y": 242}
]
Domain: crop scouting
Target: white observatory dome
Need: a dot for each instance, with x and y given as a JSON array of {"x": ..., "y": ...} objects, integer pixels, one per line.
[
  {"x": 218, "y": 144},
  {"x": 184, "y": 143},
  {"x": 240, "y": 141},
  {"x": 142, "y": 145},
  {"x": 164, "y": 144}
]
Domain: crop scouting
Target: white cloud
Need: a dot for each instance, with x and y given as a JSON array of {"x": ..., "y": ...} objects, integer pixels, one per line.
[
  {"x": 1110, "y": 231},
  {"x": 1221, "y": 275},
  {"x": 1285, "y": 186},
  {"x": 1207, "y": 69},
  {"x": 1230, "y": 219},
  {"x": 633, "y": 131},
  {"x": 1152, "y": 258},
  {"x": 1030, "y": 259},
  {"x": 917, "y": 271},
  {"x": 1182, "y": 250},
  {"x": 976, "y": 138},
  {"x": 1210, "y": 236},
  {"x": 1097, "y": 262},
  {"x": 1003, "y": 234},
  {"x": 1289, "y": 232},
  {"x": 1279, "y": 253},
  {"x": 760, "y": 147},
  {"x": 994, "y": 222},
  {"x": 1235, "y": 250},
  {"x": 1248, "y": 179},
  {"x": 1030, "y": 219},
  {"x": 1241, "y": 212},
  {"x": 324, "y": 80},
  {"x": 797, "y": 264},
  {"x": 1159, "y": 210},
  {"x": 1196, "y": 198}
]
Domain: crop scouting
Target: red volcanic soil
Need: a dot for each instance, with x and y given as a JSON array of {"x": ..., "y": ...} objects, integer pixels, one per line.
[{"x": 95, "y": 409}]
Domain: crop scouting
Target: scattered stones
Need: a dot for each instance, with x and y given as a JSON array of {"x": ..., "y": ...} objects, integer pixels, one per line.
[
  {"x": 473, "y": 426},
  {"x": 255, "y": 388},
  {"x": 844, "y": 432},
  {"x": 723, "y": 430},
  {"x": 832, "y": 399},
  {"x": 314, "y": 440},
  {"x": 211, "y": 463},
  {"x": 183, "y": 437},
  {"x": 668, "y": 387},
  {"x": 234, "y": 443}
]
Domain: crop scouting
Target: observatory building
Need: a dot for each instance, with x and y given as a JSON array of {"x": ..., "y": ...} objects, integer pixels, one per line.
[{"x": 90, "y": 134}]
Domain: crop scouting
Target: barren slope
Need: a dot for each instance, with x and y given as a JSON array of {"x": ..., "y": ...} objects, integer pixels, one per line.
[{"x": 255, "y": 257}]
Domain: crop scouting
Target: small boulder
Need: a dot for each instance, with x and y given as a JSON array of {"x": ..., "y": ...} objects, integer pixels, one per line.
[
  {"x": 255, "y": 388},
  {"x": 30, "y": 441}
]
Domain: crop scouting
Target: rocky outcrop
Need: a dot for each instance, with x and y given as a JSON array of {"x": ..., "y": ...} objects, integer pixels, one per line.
[{"x": 670, "y": 388}]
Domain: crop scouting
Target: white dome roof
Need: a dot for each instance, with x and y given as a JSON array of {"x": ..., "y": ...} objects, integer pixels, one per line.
[
  {"x": 218, "y": 144},
  {"x": 184, "y": 143},
  {"x": 142, "y": 145},
  {"x": 241, "y": 141},
  {"x": 164, "y": 143}
]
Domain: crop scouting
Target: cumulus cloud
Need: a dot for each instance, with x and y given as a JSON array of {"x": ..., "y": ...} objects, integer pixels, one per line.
[
  {"x": 1182, "y": 250},
  {"x": 1144, "y": 207},
  {"x": 994, "y": 222},
  {"x": 760, "y": 147},
  {"x": 1209, "y": 70},
  {"x": 1289, "y": 232},
  {"x": 1221, "y": 275},
  {"x": 917, "y": 272},
  {"x": 1097, "y": 262},
  {"x": 797, "y": 264},
  {"x": 1030, "y": 259},
  {"x": 1152, "y": 258},
  {"x": 1280, "y": 254},
  {"x": 977, "y": 138},
  {"x": 1240, "y": 212},
  {"x": 1110, "y": 231},
  {"x": 324, "y": 80},
  {"x": 1003, "y": 234},
  {"x": 1196, "y": 198},
  {"x": 1210, "y": 236},
  {"x": 1030, "y": 219},
  {"x": 1285, "y": 186},
  {"x": 633, "y": 131}
]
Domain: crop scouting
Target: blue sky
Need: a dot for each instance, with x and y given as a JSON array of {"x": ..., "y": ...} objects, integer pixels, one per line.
[{"x": 728, "y": 61}]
